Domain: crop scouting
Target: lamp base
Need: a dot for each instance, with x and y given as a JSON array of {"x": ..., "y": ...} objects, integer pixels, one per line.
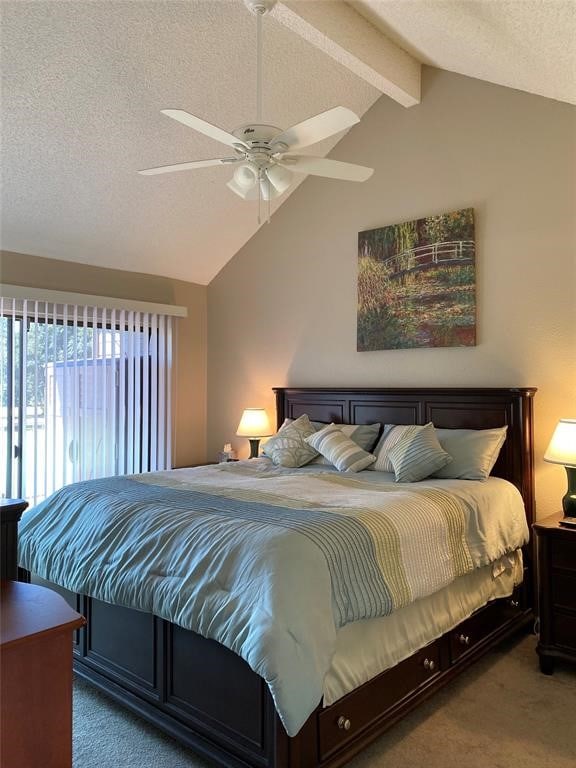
[
  {"x": 254, "y": 443},
  {"x": 569, "y": 500}
]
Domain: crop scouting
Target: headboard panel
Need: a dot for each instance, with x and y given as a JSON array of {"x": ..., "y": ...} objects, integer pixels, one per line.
[{"x": 451, "y": 408}]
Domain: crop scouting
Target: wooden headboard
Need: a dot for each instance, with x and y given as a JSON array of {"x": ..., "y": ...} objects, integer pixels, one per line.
[{"x": 450, "y": 408}]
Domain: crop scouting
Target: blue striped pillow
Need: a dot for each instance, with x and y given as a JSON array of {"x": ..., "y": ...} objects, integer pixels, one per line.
[
  {"x": 339, "y": 449},
  {"x": 417, "y": 454}
]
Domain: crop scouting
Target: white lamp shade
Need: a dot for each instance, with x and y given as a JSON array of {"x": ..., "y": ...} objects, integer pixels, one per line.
[
  {"x": 267, "y": 190},
  {"x": 254, "y": 423},
  {"x": 245, "y": 194},
  {"x": 562, "y": 448},
  {"x": 279, "y": 177},
  {"x": 245, "y": 177}
]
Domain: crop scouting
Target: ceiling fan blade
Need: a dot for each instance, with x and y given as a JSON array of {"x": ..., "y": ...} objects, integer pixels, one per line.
[
  {"x": 331, "y": 169},
  {"x": 317, "y": 128},
  {"x": 189, "y": 166},
  {"x": 202, "y": 126}
]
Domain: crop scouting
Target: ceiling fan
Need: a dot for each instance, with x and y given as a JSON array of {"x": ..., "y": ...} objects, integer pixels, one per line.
[{"x": 263, "y": 154}]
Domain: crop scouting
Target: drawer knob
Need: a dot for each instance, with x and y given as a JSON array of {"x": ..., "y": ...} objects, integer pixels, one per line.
[
  {"x": 464, "y": 639},
  {"x": 343, "y": 723},
  {"x": 429, "y": 664},
  {"x": 515, "y": 603}
]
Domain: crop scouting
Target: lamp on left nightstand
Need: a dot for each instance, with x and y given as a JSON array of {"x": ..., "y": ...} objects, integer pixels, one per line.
[{"x": 254, "y": 425}]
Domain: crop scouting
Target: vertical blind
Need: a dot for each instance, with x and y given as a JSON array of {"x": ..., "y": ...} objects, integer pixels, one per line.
[{"x": 85, "y": 392}]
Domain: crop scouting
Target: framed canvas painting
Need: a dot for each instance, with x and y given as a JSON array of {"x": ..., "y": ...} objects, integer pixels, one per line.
[{"x": 417, "y": 283}]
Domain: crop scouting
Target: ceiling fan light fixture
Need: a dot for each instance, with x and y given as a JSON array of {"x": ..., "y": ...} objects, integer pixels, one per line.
[
  {"x": 245, "y": 194},
  {"x": 245, "y": 176},
  {"x": 267, "y": 191},
  {"x": 280, "y": 178}
]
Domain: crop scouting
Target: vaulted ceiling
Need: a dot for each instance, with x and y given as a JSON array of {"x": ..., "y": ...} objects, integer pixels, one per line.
[{"x": 83, "y": 84}]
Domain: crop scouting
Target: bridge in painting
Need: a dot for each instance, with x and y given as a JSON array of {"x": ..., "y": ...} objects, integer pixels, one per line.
[{"x": 450, "y": 254}]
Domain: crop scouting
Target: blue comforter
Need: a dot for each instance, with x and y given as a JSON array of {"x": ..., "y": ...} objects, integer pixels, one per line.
[{"x": 268, "y": 562}]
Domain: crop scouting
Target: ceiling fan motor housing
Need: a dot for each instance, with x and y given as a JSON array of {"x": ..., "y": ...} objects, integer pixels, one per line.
[
  {"x": 259, "y": 7},
  {"x": 252, "y": 133}
]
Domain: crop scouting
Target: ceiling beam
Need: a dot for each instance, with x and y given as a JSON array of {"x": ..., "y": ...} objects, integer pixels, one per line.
[{"x": 339, "y": 31}]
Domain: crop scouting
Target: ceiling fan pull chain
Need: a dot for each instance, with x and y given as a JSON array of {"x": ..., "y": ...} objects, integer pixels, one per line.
[{"x": 259, "y": 201}]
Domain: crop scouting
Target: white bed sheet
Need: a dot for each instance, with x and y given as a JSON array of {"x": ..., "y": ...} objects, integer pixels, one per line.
[{"x": 364, "y": 649}]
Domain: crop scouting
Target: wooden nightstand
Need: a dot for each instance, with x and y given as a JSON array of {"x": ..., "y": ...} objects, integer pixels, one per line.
[
  {"x": 10, "y": 514},
  {"x": 556, "y": 558}
]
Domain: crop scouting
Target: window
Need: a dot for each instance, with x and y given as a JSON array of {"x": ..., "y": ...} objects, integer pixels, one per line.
[{"x": 85, "y": 392}]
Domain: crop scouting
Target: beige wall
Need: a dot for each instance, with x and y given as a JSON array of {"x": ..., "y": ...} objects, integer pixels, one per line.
[
  {"x": 283, "y": 311},
  {"x": 190, "y": 356}
]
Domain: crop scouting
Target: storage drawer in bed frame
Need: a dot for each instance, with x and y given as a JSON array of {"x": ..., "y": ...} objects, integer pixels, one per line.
[
  {"x": 180, "y": 682},
  {"x": 478, "y": 628},
  {"x": 341, "y": 723}
]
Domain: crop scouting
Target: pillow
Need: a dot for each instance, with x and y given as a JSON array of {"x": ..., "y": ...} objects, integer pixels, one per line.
[
  {"x": 364, "y": 435},
  {"x": 270, "y": 441},
  {"x": 474, "y": 452},
  {"x": 390, "y": 436},
  {"x": 288, "y": 447},
  {"x": 339, "y": 449},
  {"x": 417, "y": 454}
]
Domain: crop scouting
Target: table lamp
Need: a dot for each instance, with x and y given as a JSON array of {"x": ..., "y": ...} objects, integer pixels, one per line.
[
  {"x": 562, "y": 450},
  {"x": 254, "y": 424}
]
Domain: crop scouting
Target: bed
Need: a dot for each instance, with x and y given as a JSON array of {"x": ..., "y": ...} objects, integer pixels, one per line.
[{"x": 208, "y": 697}]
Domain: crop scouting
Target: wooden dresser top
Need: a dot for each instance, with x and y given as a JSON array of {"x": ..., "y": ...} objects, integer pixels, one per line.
[{"x": 27, "y": 610}]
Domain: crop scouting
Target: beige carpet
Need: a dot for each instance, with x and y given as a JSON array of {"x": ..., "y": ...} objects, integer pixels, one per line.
[{"x": 502, "y": 713}]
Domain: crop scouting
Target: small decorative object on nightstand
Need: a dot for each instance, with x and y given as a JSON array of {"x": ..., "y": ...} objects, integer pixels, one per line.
[
  {"x": 556, "y": 556},
  {"x": 254, "y": 425},
  {"x": 226, "y": 455},
  {"x": 562, "y": 450}
]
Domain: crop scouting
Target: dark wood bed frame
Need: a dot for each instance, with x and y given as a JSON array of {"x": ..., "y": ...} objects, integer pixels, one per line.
[{"x": 208, "y": 698}]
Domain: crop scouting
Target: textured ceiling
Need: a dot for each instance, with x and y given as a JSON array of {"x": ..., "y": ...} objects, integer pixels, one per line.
[
  {"x": 82, "y": 86},
  {"x": 83, "y": 83},
  {"x": 525, "y": 44}
]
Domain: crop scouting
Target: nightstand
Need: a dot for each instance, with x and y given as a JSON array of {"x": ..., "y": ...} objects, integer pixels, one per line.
[
  {"x": 556, "y": 558},
  {"x": 10, "y": 514}
]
